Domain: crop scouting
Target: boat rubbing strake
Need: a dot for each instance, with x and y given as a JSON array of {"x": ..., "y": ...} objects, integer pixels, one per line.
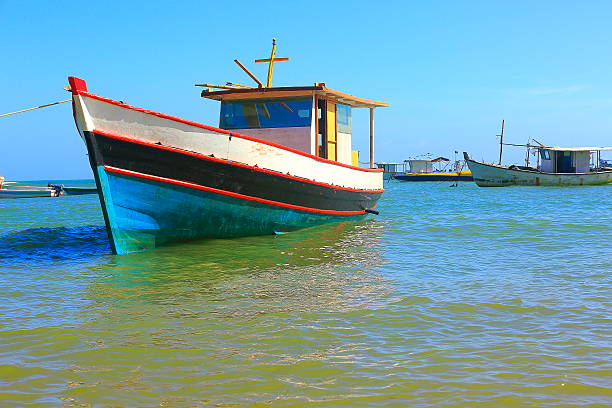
[{"x": 270, "y": 167}]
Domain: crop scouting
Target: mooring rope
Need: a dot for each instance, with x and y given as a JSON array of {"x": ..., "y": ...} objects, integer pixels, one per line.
[{"x": 36, "y": 107}]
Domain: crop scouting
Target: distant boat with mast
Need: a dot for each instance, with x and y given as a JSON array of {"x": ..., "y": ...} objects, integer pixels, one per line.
[
  {"x": 557, "y": 166},
  {"x": 280, "y": 160}
]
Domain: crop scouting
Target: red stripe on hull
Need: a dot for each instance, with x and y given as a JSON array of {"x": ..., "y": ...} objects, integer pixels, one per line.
[
  {"x": 225, "y": 161},
  {"x": 227, "y": 193}
]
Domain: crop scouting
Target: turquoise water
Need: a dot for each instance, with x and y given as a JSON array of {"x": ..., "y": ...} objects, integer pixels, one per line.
[{"x": 462, "y": 297}]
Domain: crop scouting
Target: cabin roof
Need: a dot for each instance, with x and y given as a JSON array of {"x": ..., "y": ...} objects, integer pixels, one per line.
[
  {"x": 575, "y": 149},
  {"x": 290, "y": 92},
  {"x": 440, "y": 159}
]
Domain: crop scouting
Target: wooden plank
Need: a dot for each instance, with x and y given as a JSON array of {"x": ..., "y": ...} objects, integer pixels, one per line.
[
  {"x": 239, "y": 85},
  {"x": 321, "y": 91},
  {"x": 256, "y": 95},
  {"x": 268, "y": 59},
  {"x": 253, "y": 77},
  {"x": 218, "y": 86},
  {"x": 352, "y": 100}
]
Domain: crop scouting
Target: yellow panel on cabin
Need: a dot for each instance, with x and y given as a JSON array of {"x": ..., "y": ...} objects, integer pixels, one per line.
[
  {"x": 331, "y": 121},
  {"x": 355, "y": 158},
  {"x": 331, "y": 151}
]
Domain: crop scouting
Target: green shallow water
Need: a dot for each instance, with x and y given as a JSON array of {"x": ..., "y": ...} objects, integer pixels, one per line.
[{"x": 461, "y": 297}]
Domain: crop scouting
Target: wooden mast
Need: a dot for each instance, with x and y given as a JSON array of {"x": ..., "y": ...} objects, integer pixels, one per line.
[
  {"x": 271, "y": 62},
  {"x": 501, "y": 143}
]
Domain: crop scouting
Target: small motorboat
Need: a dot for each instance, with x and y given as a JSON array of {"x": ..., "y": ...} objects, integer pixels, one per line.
[
  {"x": 20, "y": 191},
  {"x": 434, "y": 170}
]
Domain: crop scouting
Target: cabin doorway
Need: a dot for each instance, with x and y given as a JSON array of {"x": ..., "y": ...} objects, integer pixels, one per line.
[
  {"x": 563, "y": 162},
  {"x": 322, "y": 128}
]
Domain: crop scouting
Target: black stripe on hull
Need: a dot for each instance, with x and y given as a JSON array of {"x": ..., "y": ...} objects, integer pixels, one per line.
[
  {"x": 94, "y": 159},
  {"x": 225, "y": 176}
]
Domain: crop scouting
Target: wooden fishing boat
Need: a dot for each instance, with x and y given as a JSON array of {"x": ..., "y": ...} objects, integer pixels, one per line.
[
  {"x": 280, "y": 160},
  {"x": 433, "y": 170},
  {"x": 559, "y": 166}
]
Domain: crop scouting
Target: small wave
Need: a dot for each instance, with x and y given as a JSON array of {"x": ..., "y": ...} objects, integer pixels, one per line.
[{"x": 53, "y": 244}]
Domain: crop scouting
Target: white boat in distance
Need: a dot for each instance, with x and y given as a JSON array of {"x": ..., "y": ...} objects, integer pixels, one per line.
[
  {"x": 558, "y": 166},
  {"x": 20, "y": 191}
]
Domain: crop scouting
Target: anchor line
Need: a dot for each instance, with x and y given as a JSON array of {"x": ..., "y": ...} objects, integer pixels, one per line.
[{"x": 36, "y": 107}]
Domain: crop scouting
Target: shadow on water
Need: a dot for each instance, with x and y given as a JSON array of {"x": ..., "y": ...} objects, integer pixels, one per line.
[
  {"x": 326, "y": 243},
  {"x": 313, "y": 263},
  {"x": 53, "y": 244},
  {"x": 335, "y": 243}
]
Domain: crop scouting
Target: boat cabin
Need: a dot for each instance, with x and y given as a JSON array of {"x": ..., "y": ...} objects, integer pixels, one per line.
[
  {"x": 426, "y": 166},
  {"x": 568, "y": 159},
  {"x": 312, "y": 119}
]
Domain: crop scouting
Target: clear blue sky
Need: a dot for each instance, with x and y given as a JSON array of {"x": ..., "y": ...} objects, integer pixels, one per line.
[{"x": 451, "y": 70}]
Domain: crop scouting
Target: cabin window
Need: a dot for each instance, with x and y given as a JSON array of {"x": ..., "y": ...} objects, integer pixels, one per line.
[
  {"x": 545, "y": 154},
  {"x": 343, "y": 113},
  {"x": 265, "y": 113}
]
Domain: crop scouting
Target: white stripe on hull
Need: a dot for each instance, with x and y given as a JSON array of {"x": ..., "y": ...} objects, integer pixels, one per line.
[
  {"x": 488, "y": 175},
  {"x": 93, "y": 114}
]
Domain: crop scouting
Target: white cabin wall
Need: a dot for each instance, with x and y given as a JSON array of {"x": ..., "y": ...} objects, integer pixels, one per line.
[
  {"x": 548, "y": 166},
  {"x": 344, "y": 147},
  {"x": 295, "y": 137},
  {"x": 582, "y": 162},
  {"x": 420, "y": 166}
]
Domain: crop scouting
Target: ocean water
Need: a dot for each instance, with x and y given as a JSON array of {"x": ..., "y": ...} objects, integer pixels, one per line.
[{"x": 451, "y": 297}]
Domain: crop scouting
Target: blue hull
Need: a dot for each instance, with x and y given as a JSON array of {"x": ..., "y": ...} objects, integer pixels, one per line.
[{"x": 142, "y": 214}]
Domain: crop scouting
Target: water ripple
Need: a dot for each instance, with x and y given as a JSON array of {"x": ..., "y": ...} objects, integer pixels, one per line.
[{"x": 455, "y": 297}]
